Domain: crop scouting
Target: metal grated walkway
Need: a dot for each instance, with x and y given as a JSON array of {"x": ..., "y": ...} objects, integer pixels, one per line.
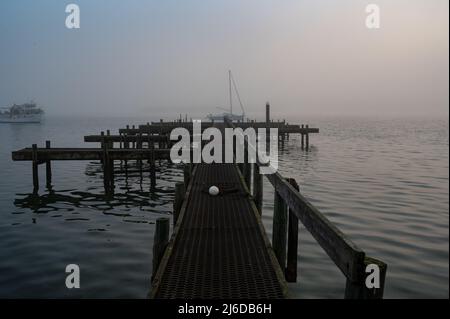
[{"x": 219, "y": 250}]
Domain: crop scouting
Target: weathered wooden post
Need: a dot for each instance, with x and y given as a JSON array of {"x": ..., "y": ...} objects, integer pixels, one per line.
[
  {"x": 48, "y": 168},
  {"x": 152, "y": 169},
  {"x": 267, "y": 112},
  {"x": 292, "y": 248},
  {"x": 307, "y": 137},
  {"x": 186, "y": 174},
  {"x": 303, "y": 137},
  {"x": 160, "y": 240},
  {"x": 35, "y": 166},
  {"x": 180, "y": 191},
  {"x": 109, "y": 141},
  {"x": 257, "y": 188},
  {"x": 279, "y": 233},
  {"x": 358, "y": 289},
  {"x": 247, "y": 166}
]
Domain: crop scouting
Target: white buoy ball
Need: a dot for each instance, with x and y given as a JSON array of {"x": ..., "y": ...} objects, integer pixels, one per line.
[{"x": 213, "y": 190}]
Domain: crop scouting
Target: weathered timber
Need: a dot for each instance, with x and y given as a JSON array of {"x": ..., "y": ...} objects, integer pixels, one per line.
[
  {"x": 48, "y": 168},
  {"x": 292, "y": 249},
  {"x": 346, "y": 255},
  {"x": 180, "y": 190},
  {"x": 257, "y": 188},
  {"x": 279, "y": 232},
  {"x": 68, "y": 154},
  {"x": 124, "y": 138},
  {"x": 161, "y": 238},
  {"x": 358, "y": 289},
  {"x": 35, "y": 167}
]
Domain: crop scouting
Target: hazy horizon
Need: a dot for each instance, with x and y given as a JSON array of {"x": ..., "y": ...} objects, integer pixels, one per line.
[{"x": 160, "y": 59}]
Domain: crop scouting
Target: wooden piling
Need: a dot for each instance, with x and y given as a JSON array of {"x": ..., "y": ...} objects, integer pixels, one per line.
[
  {"x": 307, "y": 137},
  {"x": 247, "y": 167},
  {"x": 48, "y": 168},
  {"x": 358, "y": 289},
  {"x": 257, "y": 188},
  {"x": 161, "y": 238},
  {"x": 180, "y": 190},
  {"x": 186, "y": 173},
  {"x": 279, "y": 233},
  {"x": 35, "y": 166},
  {"x": 152, "y": 170},
  {"x": 292, "y": 245}
]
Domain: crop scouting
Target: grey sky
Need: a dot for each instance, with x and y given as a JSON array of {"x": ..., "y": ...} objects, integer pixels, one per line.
[{"x": 161, "y": 58}]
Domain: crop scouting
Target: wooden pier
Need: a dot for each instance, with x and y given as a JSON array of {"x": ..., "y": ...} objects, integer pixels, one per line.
[
  {"x": 218, "y": 247},
  {"x": 221, "y": 246}
]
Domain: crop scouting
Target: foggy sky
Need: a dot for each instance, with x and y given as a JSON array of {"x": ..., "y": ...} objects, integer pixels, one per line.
[{"x": 161, "y": 58}]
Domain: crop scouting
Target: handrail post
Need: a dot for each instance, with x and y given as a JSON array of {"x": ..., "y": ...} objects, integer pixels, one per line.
[
  {"x": 257, "y": 188},
  {"x": 279, "y": 232},
  {"x": 292, "y": 246},
  {"x": 359, "y": 289}
]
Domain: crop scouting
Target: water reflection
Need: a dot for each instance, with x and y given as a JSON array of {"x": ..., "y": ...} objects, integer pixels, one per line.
[{"x": 132, "y": 195}]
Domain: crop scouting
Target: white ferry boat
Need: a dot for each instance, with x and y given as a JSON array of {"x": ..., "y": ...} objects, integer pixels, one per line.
[{"x": 24, "y": 113}]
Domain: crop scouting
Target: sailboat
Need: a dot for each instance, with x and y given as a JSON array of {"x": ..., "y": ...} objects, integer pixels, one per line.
[{"x": 229, "y": 113}]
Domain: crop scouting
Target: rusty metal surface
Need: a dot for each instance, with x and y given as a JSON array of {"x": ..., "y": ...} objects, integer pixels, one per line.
[{"x": 219, "y": 251}]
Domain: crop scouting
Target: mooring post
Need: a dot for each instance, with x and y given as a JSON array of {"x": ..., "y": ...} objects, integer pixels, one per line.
[
  {"x": 307, "y": 136},
  {"x": 102, "y": 146},
  {"x": 152, "y": 169},
  {"x": 139, "y": 146},
  {"x": 35, "y": 166},
  {"x": 48, "y": 168},
  {"x": 247, "y": 167},
  {"x": 359, "y": 289},
  {"x": 160, "y": 241},
  {"x": 110, "y": 143},
  {"x": 303, "y": 137},
  {"x": 257, "y": 188},
  {"x": 106, "y": 164},
  {"x": 292, "y": 246},
  {"x": 186, "y": 174},
  {"x": 279, "y": 233},
  {"x": 267, "y": 112},
  {"x": 178, "y": 201}
]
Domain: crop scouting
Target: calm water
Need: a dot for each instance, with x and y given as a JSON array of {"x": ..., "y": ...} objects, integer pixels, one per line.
[{"x": 383, "y": 182}]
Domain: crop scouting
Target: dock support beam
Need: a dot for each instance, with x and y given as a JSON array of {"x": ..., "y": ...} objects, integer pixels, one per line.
[
  {"x": 35, "y": 166},
  {"x": 48, "y": 168},
  {"x": 160, "y": 241}
]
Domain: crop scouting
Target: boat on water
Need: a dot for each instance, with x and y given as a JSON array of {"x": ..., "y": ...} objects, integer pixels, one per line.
[
  {"x": 229, "y": 113},
  {"x": 24, "y": 113}
]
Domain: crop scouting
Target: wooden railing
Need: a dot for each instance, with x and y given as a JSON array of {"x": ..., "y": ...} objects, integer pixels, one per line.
[{"x": 290, "y": 206}]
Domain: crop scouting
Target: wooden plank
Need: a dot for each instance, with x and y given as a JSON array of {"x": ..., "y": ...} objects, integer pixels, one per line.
[{"x": 345, "y": 254}]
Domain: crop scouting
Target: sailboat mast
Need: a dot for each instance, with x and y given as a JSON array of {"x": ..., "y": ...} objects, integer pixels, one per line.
[{"x": 231, "y": 96}]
